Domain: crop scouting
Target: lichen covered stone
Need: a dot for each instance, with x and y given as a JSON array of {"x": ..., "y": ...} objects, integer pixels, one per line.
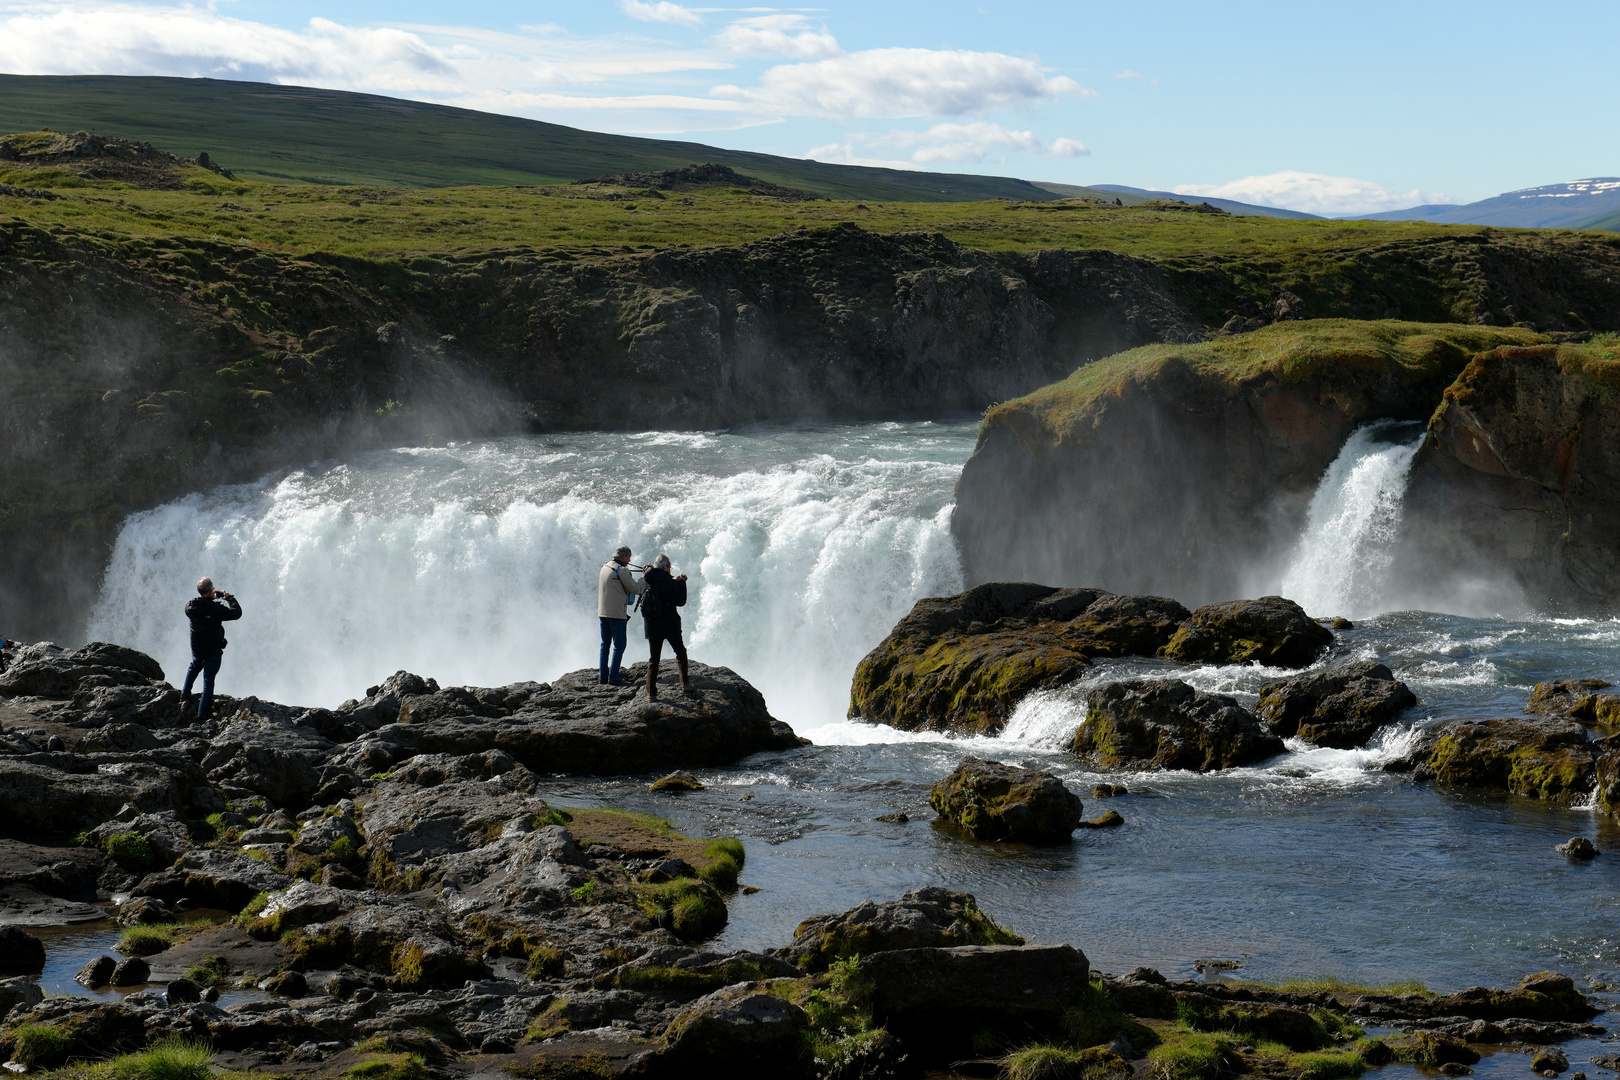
[{"x": 991, "y": 801}]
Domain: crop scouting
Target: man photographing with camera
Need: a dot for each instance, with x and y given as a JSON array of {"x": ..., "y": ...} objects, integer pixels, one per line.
[{"x": 208, "y": 611}]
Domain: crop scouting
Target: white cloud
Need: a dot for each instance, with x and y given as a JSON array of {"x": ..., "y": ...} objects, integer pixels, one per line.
[
  {"x": 846, "y": 154},
  {"x": 663, "y": 12},
  {"x": 190, "y": 42},
  {"x": 778, "y": 35},
  {"x": 1068, "y": 148},
  {"x": 1137, "y": 75},
  {"x": 953, "y": 142},
  {"x": 903, "y": 82},
  {"x": 1313, "y": 193}
]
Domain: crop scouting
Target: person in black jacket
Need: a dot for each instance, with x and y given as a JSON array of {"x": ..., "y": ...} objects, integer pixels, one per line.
[
  {"x": 660, "y": 607},
  {"x": 208, "y": 611}
]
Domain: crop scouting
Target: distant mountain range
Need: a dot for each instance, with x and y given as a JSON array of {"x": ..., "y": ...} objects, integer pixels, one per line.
[{"x": 1578, "y": 204}]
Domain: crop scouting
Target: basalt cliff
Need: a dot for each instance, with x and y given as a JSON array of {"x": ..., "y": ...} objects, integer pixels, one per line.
[
  {"x": 134, "y": 369},
  {"x": 1188, "y": 469}
]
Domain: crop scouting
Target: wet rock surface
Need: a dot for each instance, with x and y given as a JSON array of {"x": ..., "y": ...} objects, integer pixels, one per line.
[
  {"x": 1166, "y": 724},
  {"x": 1342, "y": 707},
  {"x": 990, "y": 801},
  {"x": 962, "y": 663},
  {"x": 1551, "y": 758}
]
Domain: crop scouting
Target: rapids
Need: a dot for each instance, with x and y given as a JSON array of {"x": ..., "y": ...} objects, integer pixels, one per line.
[{"x": 476, "y": 563}]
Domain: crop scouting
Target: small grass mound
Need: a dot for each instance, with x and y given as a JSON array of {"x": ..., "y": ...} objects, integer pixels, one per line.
[
  {"x": 1335, "y": 985},
  {"x": 1183, "y": 1054},
  {"x": 211, "y": 971},
  {"x": 546, "y": 962},
  {"x": 40, "y": 1045},
  {"x": 146, "y": 940},
  {"x": 390, "y": 1067},
  {"x": 1046, "y": 1061},
  {"x": 1329, "y": 1065},
  {"x": 131, "y": 849},
  {"x": 692, "y": 909},
  {"x": 549, "y": 1022},
  {"x": 173, "y": 1058},
  {"x": 681, "y": 982}
]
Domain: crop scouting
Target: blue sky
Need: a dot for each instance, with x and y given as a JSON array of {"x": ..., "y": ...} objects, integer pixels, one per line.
[{"x": 1327, "y": 107}]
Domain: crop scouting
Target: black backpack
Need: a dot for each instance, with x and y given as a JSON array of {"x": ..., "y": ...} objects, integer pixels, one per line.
[{"x": 652, "y": 603}]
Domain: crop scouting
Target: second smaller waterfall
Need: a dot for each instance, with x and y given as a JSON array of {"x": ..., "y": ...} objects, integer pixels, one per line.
[{"x": 1341, "y": 565}]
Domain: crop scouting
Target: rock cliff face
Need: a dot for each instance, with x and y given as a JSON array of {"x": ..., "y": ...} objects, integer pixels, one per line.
[
  {"x": 1518, "y": 486},
  {"x": 1189, "y": 471},
  {"x": 1183, "y": 470}
]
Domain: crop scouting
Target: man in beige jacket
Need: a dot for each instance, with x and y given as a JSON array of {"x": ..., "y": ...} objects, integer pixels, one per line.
[{"x": 615, "y": 585}]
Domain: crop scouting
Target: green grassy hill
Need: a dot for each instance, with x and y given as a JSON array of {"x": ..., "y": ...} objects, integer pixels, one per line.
[{"x": 297, "y": 134}]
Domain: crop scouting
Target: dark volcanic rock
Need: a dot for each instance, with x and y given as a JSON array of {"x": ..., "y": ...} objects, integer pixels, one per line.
[
  {"x": 1271, "y": 631},
  {"x": 20, "y": 951},
  {"x": 18, "y": 991},
  {"x": 1342, "y": 707},
  {"x": 1542, "y": 758},
  {"x": 920, "y": 919},
  {"x": 737, "y": 1032},
  {"x": 96, "y": 972},
  {"x": 1580, "y": 848},
  {"x": 49, "y": 800},
  {"x": 1578, "y": 699},
  {"x": 130, "y": 971},
  {"x": 222, "y": 879},
  {"x": 578, "y": 725},
  {"x": 941, "y": 997},
  {"x": 1166, "y": 724},
  {"x": 991, "y": 801}
]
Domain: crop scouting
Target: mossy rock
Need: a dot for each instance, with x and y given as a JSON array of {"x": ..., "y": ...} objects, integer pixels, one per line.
[
  {"x": 1271, "y": 631},
  {"x": 1341, "y": 708},
  {"x": 1166, "y": 724},
  {"x": 1544, "y": 759},
  {"x": 991, "y": 801}
]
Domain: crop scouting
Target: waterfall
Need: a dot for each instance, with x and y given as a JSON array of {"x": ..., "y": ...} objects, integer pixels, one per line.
[
  {"x": 1341, "y": 564},
  {"x": 477, "y": 564}
]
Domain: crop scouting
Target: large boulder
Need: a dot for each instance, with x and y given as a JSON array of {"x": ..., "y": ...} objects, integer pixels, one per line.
[
  {"x": 20, "y": 952},
  {"x": 1543, "y": 758},
  {"x": 920, "y": 919},
  {"x": 737, "y": 1032},
  {"x": 411, "y": 822},
  {"x": 20, "y": 990},
  {"x": 991, "y": 801},
  {"x": 578, "y": 725},
  {"x": 1342, "y": 707},
  {"x": 1166, "y": 724},
  {"x": 1270, "y": 631},
  {"x": 1578, "y": 699},
  {"x": 50, "y": 673},
  {"x": 214, "y": 878},
  {"x": 43, "y": 799},
  {"x": 269, "y": 756},
  {"x": 943, "y": 998}
]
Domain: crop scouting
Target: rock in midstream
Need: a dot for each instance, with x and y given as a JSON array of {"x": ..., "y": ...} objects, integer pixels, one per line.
[
  {"x": 962, "y": 663},
  {"x": 1342, "y": 707},
  {"x": 1166, "y": 724},
  {"x": 991, "y": 801}
]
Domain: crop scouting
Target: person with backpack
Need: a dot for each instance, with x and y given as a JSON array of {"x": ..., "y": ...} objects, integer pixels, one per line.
[
  {"x": 661, "y": 602},
  {"x": 615, "y": 585},
  {"x": 208, "y": 612}
]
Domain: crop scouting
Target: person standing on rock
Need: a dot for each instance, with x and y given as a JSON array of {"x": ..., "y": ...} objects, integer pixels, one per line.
[
  {"x": 615, "y": 585},
  {"x": 660, "y": 607},
  {"x": 208, "y": 611}
]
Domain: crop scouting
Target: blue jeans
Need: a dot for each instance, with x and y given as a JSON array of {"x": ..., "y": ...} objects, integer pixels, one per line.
[
  {"x": 612, "y": 635},
  {"x": 208, "y": 666}
]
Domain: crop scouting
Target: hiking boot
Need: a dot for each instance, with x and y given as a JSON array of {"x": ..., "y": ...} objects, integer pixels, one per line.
[
  {"x": 652, "y": 680},
  {"x": 686, "y": 684}
]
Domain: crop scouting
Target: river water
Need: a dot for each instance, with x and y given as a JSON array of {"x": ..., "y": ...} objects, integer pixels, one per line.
[{"x": 476, "y": 564}]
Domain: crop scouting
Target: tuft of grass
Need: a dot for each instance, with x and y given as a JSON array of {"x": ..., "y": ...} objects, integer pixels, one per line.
[
  {"x": 592, "y": 1066},
  {"x": 546, "y": 962},
  {"x": 693, "y": 909},
  {"x": 40, "y": 1045},
  {"x": 1335, "y": 985},
  {"x": 681, "y": 982},
  {"x": 1050, "y": 1061},
  {"x": 1184, "y": 1054},
  {"x": 131, "y": 849},
  {"x": 211, "y": 971},
  {"x": 550, "y": 1021},
  {"x": 585, "y": 894},
  {"x": 390, "y": 1067},
  {"x": 173, "y": 1058},
  {"x": 145, "y": 940},
  {"x": 1329, "y": 1065}
]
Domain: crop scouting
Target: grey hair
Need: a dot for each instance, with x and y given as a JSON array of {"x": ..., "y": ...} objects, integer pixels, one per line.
[
  {"x": 662, "y": 562},
  {"x": 622, "y": 553}
]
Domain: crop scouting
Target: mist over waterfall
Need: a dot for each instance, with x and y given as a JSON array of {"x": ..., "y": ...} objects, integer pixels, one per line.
[
  {"x": 1342, "y": 563},
  {"x": 477, "y": 564}
]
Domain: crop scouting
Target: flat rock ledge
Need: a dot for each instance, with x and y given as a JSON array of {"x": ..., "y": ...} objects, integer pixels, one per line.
[{"x": 962, "y": 663}]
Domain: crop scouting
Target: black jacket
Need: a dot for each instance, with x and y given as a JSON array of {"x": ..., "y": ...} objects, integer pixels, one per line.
[
  {"x": 672, "y": 593},
  {"x": 207, "y": 617}
]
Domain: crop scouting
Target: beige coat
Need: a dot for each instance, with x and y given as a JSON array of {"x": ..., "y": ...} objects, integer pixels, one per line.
[{"x": 614, "y": 586}]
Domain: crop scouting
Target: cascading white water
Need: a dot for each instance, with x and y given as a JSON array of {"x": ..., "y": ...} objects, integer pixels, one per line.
[
  {"x": 1341, "y": 564},
  {"x": 477, "y": 564}
]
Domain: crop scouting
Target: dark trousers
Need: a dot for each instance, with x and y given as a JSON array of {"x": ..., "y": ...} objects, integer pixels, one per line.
[
  {"x": 656, "y": 646},
  {"x": 612, "y": 637},
  {"x": 207, "y": 665}
]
